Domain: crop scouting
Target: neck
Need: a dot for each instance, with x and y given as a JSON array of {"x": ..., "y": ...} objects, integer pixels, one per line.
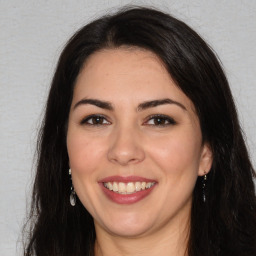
[{"x": 166, "y": 241}]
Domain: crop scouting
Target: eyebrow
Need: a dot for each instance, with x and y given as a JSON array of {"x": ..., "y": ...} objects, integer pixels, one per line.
[
  {"x": 95, "y": 102},
  {"x": 143, "y": 106},
  {"x": 155, "y": 103}
]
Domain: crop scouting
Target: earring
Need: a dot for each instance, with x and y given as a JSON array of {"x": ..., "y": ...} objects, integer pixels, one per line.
[
  {"x": 72, "y": 197},
  {"x": 204, "y": 187}
]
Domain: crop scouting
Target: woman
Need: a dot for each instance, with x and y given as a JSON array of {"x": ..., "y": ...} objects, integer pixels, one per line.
[{"x": 140, "y": 151}]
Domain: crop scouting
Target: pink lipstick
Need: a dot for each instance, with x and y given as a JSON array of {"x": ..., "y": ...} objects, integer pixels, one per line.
[{"x": 127, "y": 190}]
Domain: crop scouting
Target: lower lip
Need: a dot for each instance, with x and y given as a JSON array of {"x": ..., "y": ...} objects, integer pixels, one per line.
[{"x": 126, "y": 198}]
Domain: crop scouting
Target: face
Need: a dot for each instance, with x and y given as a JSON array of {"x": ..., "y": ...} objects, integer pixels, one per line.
[{"x": 134, "y": 143}]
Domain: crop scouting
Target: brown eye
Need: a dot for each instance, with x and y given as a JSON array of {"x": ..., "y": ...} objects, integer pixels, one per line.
[
  {"x": 95, "y": 120},
  {"x": 160, "y": 120}
]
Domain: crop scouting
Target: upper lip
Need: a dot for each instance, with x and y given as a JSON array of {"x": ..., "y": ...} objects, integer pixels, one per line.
[{"x": 125, "y": 179}]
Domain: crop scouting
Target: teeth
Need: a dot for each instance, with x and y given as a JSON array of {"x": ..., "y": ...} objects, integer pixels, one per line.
[
  {"x": 128, "y": 188},
  {"x": 115, "y": 187},
  {"x": 110, "y": 187},
  {"x": 121, "y": 188},
  {"x": 138, "y": 186},
  {"x": 148, "y": 185}
]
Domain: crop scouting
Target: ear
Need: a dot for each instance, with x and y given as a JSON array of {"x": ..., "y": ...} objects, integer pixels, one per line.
[{"x": 205, "y": 160}]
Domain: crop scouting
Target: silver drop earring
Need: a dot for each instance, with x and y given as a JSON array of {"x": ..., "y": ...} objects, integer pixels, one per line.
[
  {"x": 72, "y": 197},
  {"x": 204, "y": 187}
]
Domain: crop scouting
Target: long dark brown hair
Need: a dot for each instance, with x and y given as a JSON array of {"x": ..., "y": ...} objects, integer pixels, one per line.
[{"x": 226, "y": 223}]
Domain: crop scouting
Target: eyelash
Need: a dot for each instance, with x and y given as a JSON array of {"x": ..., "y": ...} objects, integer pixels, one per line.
[
  {"x": 103, "y": 120},
  {"x": 91, "y": 117},
  {"x": 159, "y": 117}
]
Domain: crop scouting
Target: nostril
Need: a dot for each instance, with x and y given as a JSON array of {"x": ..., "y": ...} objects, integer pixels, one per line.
[
  {"x": 125, "y": 156},
  {"x": 124, "y": 147},
  {"x": 124, "y": 160}
]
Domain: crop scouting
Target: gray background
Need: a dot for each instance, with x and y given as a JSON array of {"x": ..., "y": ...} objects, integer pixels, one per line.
[{"x": 32, "y": 34}]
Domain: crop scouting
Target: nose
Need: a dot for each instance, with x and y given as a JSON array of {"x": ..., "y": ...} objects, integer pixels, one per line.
[{"x": 126, "y": 147}]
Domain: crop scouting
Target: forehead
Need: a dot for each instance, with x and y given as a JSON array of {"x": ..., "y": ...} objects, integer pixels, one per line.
[
  {"x": 124, "y": 55},
  {"x": 124, "y": 72},
  {"x": 121, "y": 63}
]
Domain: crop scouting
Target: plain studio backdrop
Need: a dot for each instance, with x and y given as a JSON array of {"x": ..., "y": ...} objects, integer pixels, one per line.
[{"x": 32, "y": 35}]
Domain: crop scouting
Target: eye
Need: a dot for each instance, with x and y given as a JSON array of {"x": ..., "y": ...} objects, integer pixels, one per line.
[
  {"x": 160, "y": 120},
  {"x": 95, "y": 120}
]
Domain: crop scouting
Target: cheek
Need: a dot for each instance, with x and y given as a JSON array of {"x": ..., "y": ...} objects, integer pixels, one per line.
[
  {"x": 177, "y": 158},
  {"x": 178, "y": 154},
  {"x": 85, "y": 156},
  {"x": 84, "y": 153}
]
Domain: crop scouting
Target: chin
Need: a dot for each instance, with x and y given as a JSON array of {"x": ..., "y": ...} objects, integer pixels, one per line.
[
  {"x": 127, "y": 226},
  {"x": 129, "y": 231}
]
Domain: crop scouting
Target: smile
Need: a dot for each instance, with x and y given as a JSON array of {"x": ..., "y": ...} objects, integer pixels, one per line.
[{"x": 128, "y": 188}]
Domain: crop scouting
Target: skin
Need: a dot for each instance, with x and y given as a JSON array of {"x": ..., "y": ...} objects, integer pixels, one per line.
[{"x": 128, "y": 141}]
